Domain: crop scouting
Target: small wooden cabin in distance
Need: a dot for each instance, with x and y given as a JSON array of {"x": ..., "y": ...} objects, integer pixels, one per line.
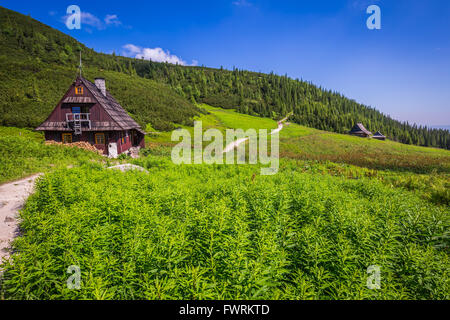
[
  {"x": 88, "y": 112},
  {"x": 379, "y": 136},
  {"x": 360, "y": 131}
]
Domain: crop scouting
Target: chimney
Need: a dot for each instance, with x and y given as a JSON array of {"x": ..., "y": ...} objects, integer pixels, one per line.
[{"x": 100, "y": 84}]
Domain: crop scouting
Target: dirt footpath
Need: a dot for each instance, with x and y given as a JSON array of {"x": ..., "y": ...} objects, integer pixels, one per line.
[{"x": 12, "y": 199}]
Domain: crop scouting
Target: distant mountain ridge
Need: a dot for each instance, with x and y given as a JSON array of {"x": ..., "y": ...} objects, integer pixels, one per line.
[{"x": 37, "y": 61}]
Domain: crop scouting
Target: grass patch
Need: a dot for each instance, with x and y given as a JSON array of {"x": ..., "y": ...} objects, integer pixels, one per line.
[{"x": 23, "y": 152}]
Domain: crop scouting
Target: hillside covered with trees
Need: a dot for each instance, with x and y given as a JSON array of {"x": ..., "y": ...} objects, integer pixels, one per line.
[
  {"x": 165, "y": 94},
  {"x": 38, "y": 64}
]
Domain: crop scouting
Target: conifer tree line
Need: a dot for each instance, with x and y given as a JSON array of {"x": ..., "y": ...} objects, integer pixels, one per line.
[
  {"x": 270, "y": 95},
  {"x": 265, "y": 95}
]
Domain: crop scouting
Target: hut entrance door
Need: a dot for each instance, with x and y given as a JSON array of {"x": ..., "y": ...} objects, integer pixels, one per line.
[
  {"x": 133, "y": 138},
  {"x": 112, "y": 150}
]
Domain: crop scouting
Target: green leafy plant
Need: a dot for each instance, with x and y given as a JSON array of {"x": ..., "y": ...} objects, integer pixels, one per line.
[{"x": 214, "y": 232}]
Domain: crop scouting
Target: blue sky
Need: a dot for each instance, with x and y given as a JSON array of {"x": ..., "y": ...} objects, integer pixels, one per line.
[{"x": 402, "y": 70}]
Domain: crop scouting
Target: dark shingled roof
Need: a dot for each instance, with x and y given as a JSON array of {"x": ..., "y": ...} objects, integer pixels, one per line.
[
  {"x": 121, "y": 119},
  {"x": 359, "y": 128},
  {"x": 85, "y": 100},
  {"x": 112, "y": 107},
  {"x": 379, "y": 134}
]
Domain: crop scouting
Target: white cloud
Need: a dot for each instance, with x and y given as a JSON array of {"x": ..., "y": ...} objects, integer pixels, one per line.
[
  {"x": 132, "y": 50},
  {"x": 93, "y": 21},
  {"x": 242, "y": 3},
  {"x": 154, "y": 54},
  {"x": 112, "y": 19}
]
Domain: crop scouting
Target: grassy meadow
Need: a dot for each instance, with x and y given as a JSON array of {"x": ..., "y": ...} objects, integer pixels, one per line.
[
  {"x": 417, "y": 169},
  {"x": 23, "y": 153},
  {"x": 222, "y": 232},
  {"x": 299, "y": 142},
  {"x": 338, "y": 205}
]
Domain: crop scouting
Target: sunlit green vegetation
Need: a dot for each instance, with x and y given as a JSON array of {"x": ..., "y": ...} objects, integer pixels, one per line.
[
  {"x": 299, "y": 142},
  {"x": 418, "y": 169},
  {"x": 22, "y": 153},
  {"x": 224, "y": 232}
]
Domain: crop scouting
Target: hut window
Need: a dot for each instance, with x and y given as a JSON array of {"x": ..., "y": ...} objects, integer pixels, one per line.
[
  {"x": 79, "y": 90},
  {"x": 67, "y": 138},
  {"x": 99, "y": 138},
  {"x": 76, "y": 109}
]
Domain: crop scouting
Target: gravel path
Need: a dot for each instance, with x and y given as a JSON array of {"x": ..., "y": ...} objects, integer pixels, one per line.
[
  {"x": 12, "y": 198},
  {"x": 233, "y": 145}
]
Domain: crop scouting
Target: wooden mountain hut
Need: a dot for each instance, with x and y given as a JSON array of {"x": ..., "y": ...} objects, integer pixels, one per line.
[
  {"x": 379, "y": 136},
  {"x": 360, "y": 131},
  {"x": 88, "y": 112}
]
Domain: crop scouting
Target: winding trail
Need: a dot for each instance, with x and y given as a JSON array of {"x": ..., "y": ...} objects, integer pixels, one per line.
[
  {"x": 12, "y": 198},
  {"x": 237, "y": 143}
]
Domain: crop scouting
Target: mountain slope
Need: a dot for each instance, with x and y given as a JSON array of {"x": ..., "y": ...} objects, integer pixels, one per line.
[
  {"x": 299, "y": 142},
  {"x": 32, "y": 43},
  {"x": 34, "y": 81}
]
